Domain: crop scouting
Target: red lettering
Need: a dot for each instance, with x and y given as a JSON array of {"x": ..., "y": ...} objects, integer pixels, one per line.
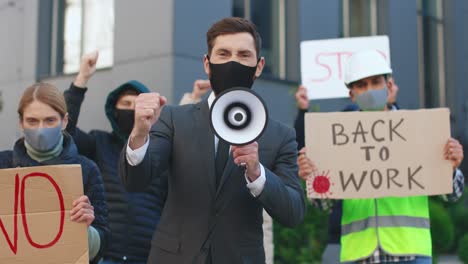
[
  {"x": 317, "y": 60},
  {"x": 383, "y": 54},
  {"x": 340, "y": 69},
  {"x": 23, "y": 210},
  {"x": 13, "y": 245},
  {"x": 339, "y": 57}
]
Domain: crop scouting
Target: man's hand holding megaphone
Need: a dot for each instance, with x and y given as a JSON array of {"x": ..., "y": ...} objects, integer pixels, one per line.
[
  {"x": 148, "y": 107},
  {"x": 239, "y": 116},
  {"x": 247, "y": 155}
]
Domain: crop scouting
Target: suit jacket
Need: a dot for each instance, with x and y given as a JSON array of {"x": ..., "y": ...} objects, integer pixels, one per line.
[{"x": 200, "y": 221}]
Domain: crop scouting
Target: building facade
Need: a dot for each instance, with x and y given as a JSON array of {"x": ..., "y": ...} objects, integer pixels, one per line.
[{"x": 162, "y": 43}]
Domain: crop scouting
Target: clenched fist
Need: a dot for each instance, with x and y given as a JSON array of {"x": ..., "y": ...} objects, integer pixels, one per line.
[
  {"x": 87, "y": 69},
  {"x": 200, "y": 87},
  {"x": 148, "y": 107}
]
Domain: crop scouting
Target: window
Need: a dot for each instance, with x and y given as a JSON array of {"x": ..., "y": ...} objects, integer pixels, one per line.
[
  {"x": 359, "y": 18},
  {"x": 270, "y": 18},
  {"x": 71, "y": 28},
  {"x": 88, "y": 26},
  {"x": 431, "y": 53}
]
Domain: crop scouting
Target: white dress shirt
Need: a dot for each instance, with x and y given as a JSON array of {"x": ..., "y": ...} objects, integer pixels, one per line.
[{"x": 135, "y": 157}]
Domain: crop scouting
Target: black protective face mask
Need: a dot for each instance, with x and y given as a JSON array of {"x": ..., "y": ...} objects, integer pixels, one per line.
[
  {"x": 125, "y": 120},
  {"x": 230, "y": 74}
]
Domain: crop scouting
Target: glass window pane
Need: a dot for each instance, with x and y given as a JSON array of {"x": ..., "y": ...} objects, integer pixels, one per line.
[
  {"x": 432, "y": 65},
  {"x": 430, "y": 9},
  {"x": 359, "y": 18},
  {"x": 98, "y": 30},
  {"x": 238, "y": 8},
  {"x": 89, "y": 26},
  {"x": 264, "y": 14},
  {"x": 267, "y": 16},
  {"x": 72, "y": 36}
]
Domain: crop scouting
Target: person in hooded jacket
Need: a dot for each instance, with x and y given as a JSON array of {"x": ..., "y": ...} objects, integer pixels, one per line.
[
  {"x": 43, "y": 117},
  {"x": 133, "y": 216}
]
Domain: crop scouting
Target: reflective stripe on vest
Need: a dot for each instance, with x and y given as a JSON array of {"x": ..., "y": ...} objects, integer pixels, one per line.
[
  {"x": 400, "y": 226},
  {"x": 385, "y": 221}
]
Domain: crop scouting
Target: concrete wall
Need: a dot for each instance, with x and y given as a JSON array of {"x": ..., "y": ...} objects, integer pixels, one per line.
[
  {"x": 322, "y": 20},
  {"x": 141, "y": 53},
  {"x": 457, "y": 66},
  {"x": 403, "y": 34},
  {"x": 162, "y": 43},
  {"x": 456, "y": 41},
  {"x": 17, "y": 68},
  {"x": 193, "y": 20}
]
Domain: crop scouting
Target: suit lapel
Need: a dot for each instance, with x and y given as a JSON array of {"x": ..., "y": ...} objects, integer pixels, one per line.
[
  {"x": 228, "y": 170},
  {"x": 205, "y": 142}
]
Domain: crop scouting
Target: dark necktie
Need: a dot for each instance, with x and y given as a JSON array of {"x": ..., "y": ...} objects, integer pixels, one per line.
[{"x": 222, "y": 155}]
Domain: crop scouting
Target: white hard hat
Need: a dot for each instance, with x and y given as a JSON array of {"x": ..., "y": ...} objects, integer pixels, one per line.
[{"x": 365, "y": 64}]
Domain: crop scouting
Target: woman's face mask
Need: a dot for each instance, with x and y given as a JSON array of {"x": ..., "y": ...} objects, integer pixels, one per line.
[
  {"x": 372, "y": 100},
  {"x": 42, "y": 126},
  {"x": 43, "y": 139}
]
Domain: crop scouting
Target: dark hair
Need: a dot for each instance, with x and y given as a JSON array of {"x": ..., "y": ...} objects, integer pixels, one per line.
[{"x": 232, "y": 25}]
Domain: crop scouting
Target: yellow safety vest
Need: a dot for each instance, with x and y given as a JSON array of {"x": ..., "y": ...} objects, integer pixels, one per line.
[{"x": 400, "y": 226}]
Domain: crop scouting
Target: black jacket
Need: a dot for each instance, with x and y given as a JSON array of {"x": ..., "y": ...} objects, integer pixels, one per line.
[{"x": 133, "y": 216}]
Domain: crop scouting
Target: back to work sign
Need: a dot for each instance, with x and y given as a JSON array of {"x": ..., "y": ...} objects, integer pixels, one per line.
[{"x": 378, "y": 154}]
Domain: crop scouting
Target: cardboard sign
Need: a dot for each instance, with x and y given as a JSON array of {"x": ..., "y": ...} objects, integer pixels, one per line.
[
  {"x": 323, "y": 63},
  {"x": 378, "y": 154},
  {"x": 35, "y": 224}
]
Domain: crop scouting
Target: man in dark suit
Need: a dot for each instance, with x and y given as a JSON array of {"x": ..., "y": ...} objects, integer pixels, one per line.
[{"x": 213, "y": 211}]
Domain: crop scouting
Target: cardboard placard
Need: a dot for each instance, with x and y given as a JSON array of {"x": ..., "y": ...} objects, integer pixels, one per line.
[
  {"x": 378, "y": 154},
  {"x": 323, "y": 63},
  {"x": 35, "y": 224}
]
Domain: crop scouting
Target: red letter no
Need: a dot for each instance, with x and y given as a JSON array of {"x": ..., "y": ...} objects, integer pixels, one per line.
[{"x": 23, "y": 210}]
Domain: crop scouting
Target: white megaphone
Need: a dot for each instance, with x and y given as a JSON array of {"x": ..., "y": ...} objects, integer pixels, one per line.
[{"x": 238, "y": 116}]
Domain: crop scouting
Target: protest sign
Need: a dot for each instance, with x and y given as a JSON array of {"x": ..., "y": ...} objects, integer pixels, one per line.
[
  {"x": 378, "y": 154},
  {"x": 35, "y": 224},
  {"x": 323, "y": 63}
]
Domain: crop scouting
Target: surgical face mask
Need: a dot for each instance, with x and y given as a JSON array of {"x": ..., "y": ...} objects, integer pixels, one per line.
[
  {"x": 43, "y": 139},
  {"x": 125, "y": 120},
  {"x": 231, "y": 74},
  {"x": 372, "y": 100}
]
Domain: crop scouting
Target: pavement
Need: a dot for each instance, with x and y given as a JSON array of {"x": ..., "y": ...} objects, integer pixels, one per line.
[{"x": 449, "y": 259}]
